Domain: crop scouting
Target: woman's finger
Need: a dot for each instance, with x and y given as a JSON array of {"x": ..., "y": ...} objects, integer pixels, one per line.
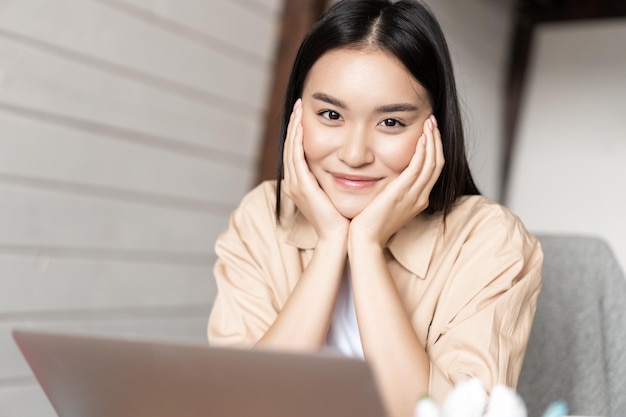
[
  {"x": 438, "y": 156},
  {"x": 297, "y": 147},
  {"x": 419, "y": 163},
  {"x": 297, "y": 152},
  {"x": 418, "y": 186},
  {"x": 290, "y": 174}
]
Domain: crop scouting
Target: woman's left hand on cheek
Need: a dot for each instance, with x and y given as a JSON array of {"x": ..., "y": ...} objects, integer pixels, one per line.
[{"x": 407, "y": 195}]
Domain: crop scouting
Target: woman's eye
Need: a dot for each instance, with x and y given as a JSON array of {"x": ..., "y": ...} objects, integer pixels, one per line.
[
  {"x": 391, "y": 123},
  {"x": 330, "y": 115}
]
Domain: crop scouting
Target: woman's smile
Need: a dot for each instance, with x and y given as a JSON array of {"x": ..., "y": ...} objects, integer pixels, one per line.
[{"x": 355, "y": 182}]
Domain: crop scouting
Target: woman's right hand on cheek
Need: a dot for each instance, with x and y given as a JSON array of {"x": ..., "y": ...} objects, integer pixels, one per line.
[{"x": 302, "y": 188}]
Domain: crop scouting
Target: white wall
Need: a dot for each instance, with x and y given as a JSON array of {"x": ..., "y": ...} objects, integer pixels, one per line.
[
  {"x": 569, "y": 172},
  {"x": 129, "y": 130},
  {"x": 478, "y": 34}
]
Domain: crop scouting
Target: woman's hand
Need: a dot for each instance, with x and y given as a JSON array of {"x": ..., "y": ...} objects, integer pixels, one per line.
[
  {"x": 302, "y": 187},
  {"x": 407, "y": 195}
]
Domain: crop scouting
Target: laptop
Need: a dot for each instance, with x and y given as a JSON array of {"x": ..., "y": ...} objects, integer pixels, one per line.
[{"x": 95, "y": 376}]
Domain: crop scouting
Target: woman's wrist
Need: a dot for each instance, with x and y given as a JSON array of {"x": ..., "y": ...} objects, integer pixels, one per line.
[
  {"x": 363, "y": 244},
  {"x": 334, "y": 236}
]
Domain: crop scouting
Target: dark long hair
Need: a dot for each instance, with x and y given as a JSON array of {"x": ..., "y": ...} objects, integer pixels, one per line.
[{"x": 408, "y": 30}]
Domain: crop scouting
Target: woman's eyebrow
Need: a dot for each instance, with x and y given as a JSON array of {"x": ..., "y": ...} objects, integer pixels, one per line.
[
  {"x": 386, "y": 108},
  {"x": 391, "y": 108},
  {"x": 330, "y": 100}
]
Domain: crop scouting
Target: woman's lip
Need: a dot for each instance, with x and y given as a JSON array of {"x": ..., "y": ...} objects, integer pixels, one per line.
[
  {"x": 353, "y": 177},
  {"x": 355, "y": 181}
]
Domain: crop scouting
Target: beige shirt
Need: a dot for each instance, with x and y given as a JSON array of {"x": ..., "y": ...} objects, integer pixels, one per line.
[{"x": 469, "y": 286}]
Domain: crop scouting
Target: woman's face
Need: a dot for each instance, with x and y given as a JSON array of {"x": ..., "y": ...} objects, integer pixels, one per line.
[{"x": 363, "y": 113}]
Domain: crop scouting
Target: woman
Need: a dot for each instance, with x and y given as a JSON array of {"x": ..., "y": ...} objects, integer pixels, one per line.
[{"x": 375, "y": 240}]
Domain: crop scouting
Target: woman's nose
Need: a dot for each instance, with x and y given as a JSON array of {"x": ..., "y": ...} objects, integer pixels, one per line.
[{"x": 355, "y": 150}]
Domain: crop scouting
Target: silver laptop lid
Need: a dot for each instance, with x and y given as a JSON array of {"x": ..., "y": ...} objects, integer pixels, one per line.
[{"x": 87, "y": 376}]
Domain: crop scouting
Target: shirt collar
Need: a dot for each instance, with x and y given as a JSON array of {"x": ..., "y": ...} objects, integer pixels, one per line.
[{"x": 412, "y": 246}]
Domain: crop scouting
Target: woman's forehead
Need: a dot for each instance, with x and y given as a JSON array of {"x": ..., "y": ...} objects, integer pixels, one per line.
[{"x": 364, "y": 76}]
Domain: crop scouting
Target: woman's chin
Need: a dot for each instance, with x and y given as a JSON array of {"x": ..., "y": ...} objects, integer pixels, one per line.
[
  {"x": 349, "y": 211},
  {"x": 350, "y": 205}
]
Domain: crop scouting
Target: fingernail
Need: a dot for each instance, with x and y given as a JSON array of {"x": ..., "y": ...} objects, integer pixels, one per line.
[
  {"x": 434, "y": 120},
  {"x": 430, "y": 123}
]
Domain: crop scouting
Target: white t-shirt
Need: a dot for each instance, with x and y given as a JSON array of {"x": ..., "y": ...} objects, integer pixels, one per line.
[{"x": 343, "y": 334}]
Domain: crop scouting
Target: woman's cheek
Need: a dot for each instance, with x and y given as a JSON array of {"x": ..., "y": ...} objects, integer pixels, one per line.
[
  {"x": 312, "y": 141},
  {"x": 307, "y": 139},
  {"x": 398, "y": 154}
]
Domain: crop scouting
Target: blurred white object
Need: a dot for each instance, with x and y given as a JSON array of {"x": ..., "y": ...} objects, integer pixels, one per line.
[
  {"x": 427, "y": 407},
  {"x": 505, "y": 402},
  {"x": 469, "y": 399}
]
